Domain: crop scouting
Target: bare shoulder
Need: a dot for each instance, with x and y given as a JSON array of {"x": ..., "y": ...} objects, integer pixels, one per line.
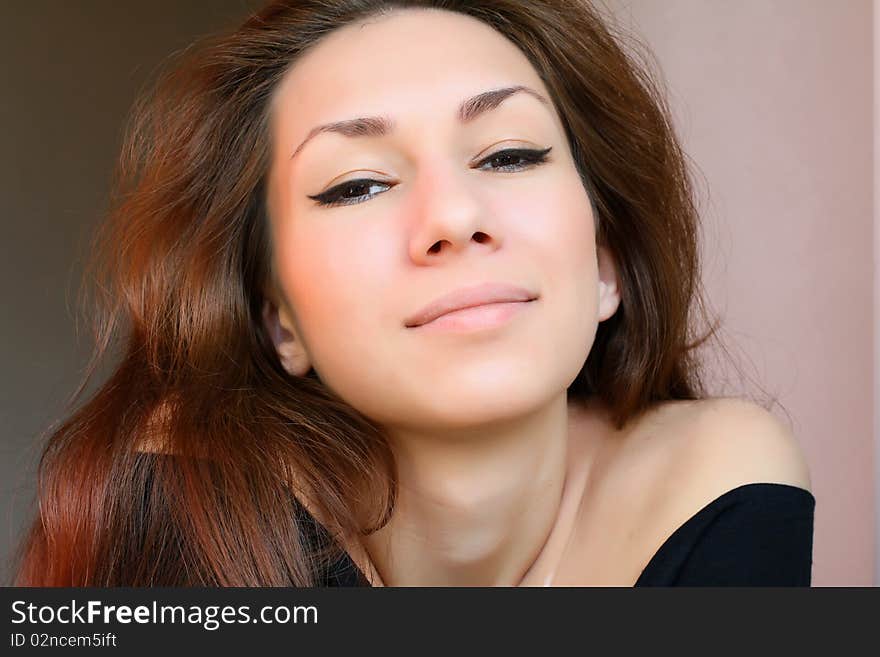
[
  {"x": 730, "y": 441},
  {"x": 662, "y": 468}
]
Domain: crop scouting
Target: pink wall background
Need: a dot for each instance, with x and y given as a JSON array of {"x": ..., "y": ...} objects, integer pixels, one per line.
[
  {"x": 773, "y": 101},
  {"x": 877, "y": 288}
]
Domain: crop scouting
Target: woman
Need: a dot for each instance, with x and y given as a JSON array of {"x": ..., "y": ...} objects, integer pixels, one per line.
[{"x": 406, "y": 293}]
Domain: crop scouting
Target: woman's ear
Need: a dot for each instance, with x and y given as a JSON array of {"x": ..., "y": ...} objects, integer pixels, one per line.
[
  {"x": 609, "y": 288},
  {"x": 281, "y": 329}
]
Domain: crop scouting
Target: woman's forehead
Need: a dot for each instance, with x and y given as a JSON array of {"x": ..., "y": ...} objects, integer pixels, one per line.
[{"x": 404, "y": 64}]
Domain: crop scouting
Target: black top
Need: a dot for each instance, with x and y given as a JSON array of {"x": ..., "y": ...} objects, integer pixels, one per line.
[{"x": 758, "y": 534}]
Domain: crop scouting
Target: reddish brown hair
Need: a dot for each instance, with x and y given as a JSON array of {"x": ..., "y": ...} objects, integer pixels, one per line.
[{"x": 178, "y": 276}]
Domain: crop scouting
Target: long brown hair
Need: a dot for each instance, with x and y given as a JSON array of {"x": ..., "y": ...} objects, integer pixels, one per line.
[{"x": 177, "y": 279}]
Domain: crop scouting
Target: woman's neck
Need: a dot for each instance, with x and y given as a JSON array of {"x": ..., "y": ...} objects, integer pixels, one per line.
[{"x": 483, "y": 508}]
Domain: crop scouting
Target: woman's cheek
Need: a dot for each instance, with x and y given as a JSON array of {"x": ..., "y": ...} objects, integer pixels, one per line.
[{"x": 340, "y": 287}]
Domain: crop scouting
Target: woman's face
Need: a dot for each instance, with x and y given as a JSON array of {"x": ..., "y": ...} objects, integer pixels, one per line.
[{"x": 437, "y": 214}]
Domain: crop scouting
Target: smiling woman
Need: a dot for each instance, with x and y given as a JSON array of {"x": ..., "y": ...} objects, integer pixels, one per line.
[{"x": 407, "y": 294}]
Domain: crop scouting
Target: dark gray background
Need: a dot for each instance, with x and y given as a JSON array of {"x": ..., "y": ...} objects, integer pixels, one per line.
[{"x": 69, "y": 72}]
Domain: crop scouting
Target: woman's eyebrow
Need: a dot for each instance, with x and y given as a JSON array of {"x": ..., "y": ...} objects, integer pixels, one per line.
[{"x": 378, "y": 126}]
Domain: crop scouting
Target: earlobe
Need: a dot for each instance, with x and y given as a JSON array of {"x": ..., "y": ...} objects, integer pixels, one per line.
[
  {"x": 291, "y": 351},
  {"x": 609, "y": 288}
]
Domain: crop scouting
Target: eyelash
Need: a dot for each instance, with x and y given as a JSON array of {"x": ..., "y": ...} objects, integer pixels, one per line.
[{"x": 334, "y": 195}]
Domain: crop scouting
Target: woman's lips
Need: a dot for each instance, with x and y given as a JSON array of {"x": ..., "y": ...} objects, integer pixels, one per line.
[
  {"x": 475, "y": 318},
  {"x": 481, "y": 296}
]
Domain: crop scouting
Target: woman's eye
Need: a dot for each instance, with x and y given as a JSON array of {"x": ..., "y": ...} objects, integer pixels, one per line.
[
  {"x": 348, "y": 193},
  {"x": 507, "y": 158},
  {"x": 357, "y": 191}
]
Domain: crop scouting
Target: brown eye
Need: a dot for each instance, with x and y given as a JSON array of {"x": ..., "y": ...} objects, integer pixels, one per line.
[
  {"x": 349, "y": 192},
  {"x": 515, "y": 159}
]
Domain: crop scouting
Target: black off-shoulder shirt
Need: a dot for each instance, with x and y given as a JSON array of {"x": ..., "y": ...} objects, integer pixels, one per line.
[{"x": 758, "y": 534}]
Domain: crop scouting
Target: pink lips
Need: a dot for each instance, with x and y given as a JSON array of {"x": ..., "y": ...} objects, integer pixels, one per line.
[{"x": 468, "y": 297}]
